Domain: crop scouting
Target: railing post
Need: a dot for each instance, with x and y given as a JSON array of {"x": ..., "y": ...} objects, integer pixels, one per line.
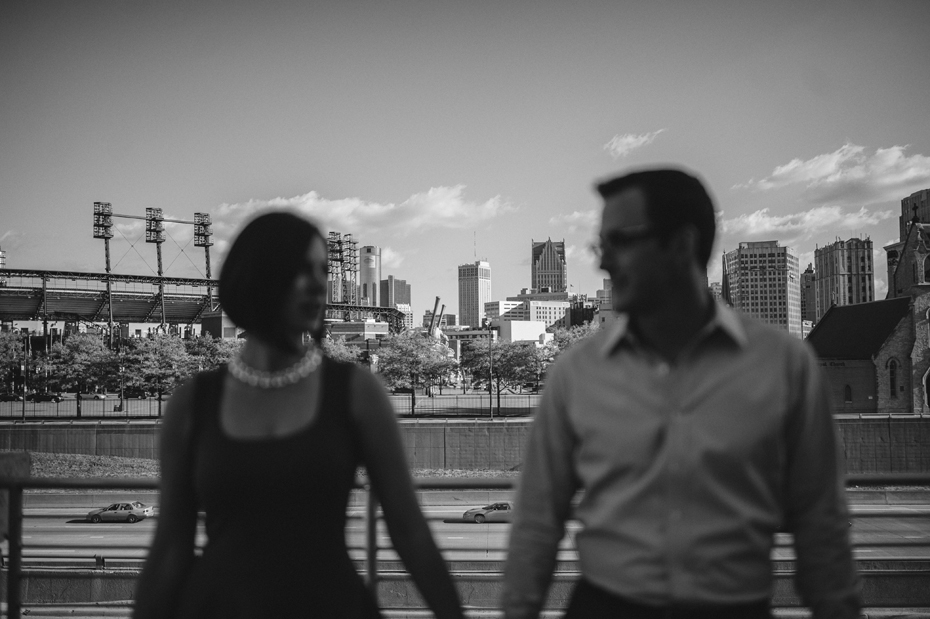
[
  {"x": 371, "y": 540},
  {"x": 15, "y": 535}
]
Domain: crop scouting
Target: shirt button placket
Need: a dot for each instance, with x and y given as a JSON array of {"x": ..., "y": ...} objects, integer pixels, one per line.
[{"x": 677, "y": 491}]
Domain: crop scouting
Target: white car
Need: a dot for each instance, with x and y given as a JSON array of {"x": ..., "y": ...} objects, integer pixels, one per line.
[
  {"x": 502, "y": 511},
  {"x": 121, "y": 512}
]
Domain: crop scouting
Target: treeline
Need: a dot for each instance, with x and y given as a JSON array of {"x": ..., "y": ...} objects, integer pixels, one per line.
[{"x": 408, "y": 361}]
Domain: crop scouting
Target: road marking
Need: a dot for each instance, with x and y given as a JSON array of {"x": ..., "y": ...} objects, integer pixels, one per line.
[{"x": 95, "y": 536}]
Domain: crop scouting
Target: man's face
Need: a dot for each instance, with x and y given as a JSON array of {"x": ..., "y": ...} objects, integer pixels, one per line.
[{"x": 632, "y": 254}]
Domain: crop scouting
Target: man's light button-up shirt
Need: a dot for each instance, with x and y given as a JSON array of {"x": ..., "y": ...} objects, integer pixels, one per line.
[{"x": 688, "y": 469}]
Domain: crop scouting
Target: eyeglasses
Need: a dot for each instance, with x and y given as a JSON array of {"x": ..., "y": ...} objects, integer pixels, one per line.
[{"x": 617, "y": 240}]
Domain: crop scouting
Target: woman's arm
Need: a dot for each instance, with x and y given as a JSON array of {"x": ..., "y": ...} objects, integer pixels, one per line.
[
  {"x": 172, "y": 551},
  {"x": 383, "y": 454}
]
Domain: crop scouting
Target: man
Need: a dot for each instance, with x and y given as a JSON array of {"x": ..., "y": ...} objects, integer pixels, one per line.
[{"x": 694, "y": 433}]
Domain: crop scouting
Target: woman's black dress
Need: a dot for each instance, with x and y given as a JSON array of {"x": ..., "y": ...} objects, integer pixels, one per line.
[{"x": 276, "y": 514}]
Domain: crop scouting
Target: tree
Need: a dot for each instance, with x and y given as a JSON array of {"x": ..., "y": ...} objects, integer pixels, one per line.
[
  {"x": 82, "y": 362},
  {"x": 160, "y": 362},
  {"x": 510, "y": 363},
  {"x": 412, "y": 359},
  {"x": 564, "y": 338},
  {"x": 207, "y": 353},
  {"x": 11, "y": 355},
  {"x": 337, "y": 349}
]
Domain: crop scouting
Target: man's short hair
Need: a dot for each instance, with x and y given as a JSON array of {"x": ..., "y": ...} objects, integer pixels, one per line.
[
  {"x": 673, "y": 199},
  {"x": 260, "y": 268}
]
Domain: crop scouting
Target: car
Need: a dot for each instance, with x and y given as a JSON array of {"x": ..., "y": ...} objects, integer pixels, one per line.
[
  {"x": 135, "y": 392},
  {"x": 502, "y": 511},
  {"x": 44, "y": 397},
  {"x": 121, "y": 512},
  {"x": 99, "y": 396},
  {"x": 10, "y": 397}
]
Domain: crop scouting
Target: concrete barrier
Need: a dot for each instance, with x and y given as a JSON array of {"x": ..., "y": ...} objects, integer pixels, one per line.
[
  {"x": 888, "y": 445},
  {"x": 885, "y": 584}
]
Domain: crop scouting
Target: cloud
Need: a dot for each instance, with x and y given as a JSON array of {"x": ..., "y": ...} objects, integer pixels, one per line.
[
  {"x": 439, "y": 207},
  {"x": 811, "y": 222},
  {"x": 391, "y": 258},
  {"x": 584, "y": 220},
  {"x": 622, "y": 145},
  {"x": 851, "y": 176},
  {"x": 12, "y": 239}
]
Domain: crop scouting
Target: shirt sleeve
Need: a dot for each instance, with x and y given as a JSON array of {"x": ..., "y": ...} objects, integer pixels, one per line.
[
  {"x": 543, "y": 502},
  {"x": 816, "y": 511}
]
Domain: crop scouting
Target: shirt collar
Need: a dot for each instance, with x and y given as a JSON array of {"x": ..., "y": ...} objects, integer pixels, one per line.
[{"x": 724, "y": 320}]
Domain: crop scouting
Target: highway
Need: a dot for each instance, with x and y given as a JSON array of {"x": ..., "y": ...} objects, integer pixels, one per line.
[{"x": 60, "y": 535}]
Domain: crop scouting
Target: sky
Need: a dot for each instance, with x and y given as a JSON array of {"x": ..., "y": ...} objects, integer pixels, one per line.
[{"x": 445, "y": 132}]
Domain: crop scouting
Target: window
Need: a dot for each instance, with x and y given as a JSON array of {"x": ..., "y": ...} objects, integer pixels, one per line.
[
  {"x": 847, "y": 394},
  {"x": 893, "y": 378}
]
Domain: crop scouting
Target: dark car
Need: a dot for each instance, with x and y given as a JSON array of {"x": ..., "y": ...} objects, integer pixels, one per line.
[
  {"x": 10, "y": 397},
  {"x": 501, "y": 511},
  {"x": 135, "y": 392},
  {"x": 44, "y": 397}
]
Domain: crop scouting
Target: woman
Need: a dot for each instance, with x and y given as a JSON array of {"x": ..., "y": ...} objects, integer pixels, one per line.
[{"x": 269, "y": 449}]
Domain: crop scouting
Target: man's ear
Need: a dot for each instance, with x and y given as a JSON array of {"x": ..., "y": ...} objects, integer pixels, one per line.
[{"x": 684, "y": 243}]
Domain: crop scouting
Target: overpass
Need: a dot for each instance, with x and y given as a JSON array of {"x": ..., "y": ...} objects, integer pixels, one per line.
[{"x": 113, "y": 298}]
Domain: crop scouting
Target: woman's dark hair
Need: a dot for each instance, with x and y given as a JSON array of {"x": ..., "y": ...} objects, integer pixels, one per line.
[
  {"x": 673, "y": 199},
  {"x": 259, "y": 270}
]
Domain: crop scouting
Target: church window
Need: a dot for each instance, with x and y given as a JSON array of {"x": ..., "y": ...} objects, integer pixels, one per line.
[
  {"x": 893, "y": 378},
  {"x": 847, "y": 394}
]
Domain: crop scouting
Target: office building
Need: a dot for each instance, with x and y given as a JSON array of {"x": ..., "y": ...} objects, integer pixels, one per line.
[
  {"x": 369, "y": 275},
  {"x": 808, "y": 295},
  {"x": 549, "y": 269},
  {"x": 764, "y": 281},
  {"x": 474, "y": 292},
  {"x": 844, "y": 275},
  {"x": 394, "y": 292},
  {"x": 500, "y": 309},
  {"x": 407, "y": 311}
]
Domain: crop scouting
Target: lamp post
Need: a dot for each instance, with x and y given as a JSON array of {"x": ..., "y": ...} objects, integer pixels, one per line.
[
  {"x": 490, "y": 374},
  {"x": 122, "y": 370}
]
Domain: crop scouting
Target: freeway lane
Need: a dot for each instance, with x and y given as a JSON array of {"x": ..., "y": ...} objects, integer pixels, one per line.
[{"x": 879, "y": 532}]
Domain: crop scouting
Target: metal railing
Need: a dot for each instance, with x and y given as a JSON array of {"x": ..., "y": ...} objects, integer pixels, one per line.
[{"x": 370, "y": 548}]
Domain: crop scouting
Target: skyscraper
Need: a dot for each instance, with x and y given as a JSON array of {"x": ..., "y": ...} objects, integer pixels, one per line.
[
  {"x": 369, "y": 275},
  {"x": 549, "y": 269},
  {"x": 809, "y": 295},
  {"x": 394, "y": 292},
  {"x": 764, "y": 282},
  {"x": 844, "y": 274},
  {"x": 474, "y": 292}
]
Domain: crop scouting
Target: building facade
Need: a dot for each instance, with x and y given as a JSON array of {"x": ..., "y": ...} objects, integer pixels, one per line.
[
  {"x": 917, "y": 204},
  {"x": 808, "y": 295},
  {"x": 764, "y": 281},
  {"x": 369, "y": 275},
  {"x": 549, "y": 269},
  {"x": 501, "y": 309},
  {"x": 844, "y": 275},
  {"x": 394, "y": 292},
  {"x": 474, "y": 292},
  {"x": 407, "y": 311}
]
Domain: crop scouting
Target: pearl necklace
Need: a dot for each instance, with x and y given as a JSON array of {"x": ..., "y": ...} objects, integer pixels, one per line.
[{"x": 278, "y": 378}]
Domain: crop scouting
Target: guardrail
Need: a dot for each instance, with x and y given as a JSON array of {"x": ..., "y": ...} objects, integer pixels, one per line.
[
  {"x": 449, "y": 404},
  {"x": 370, "y": 547}
]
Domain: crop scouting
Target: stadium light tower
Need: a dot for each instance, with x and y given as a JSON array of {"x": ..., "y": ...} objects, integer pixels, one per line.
[
  {"x": 103, "y": 229},
  {"x": 155, "y": 233},
  {"x": 203, "y": 237}
]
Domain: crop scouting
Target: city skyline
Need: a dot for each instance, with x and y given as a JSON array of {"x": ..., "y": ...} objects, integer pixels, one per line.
[{"x": 449, "y": 133}]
